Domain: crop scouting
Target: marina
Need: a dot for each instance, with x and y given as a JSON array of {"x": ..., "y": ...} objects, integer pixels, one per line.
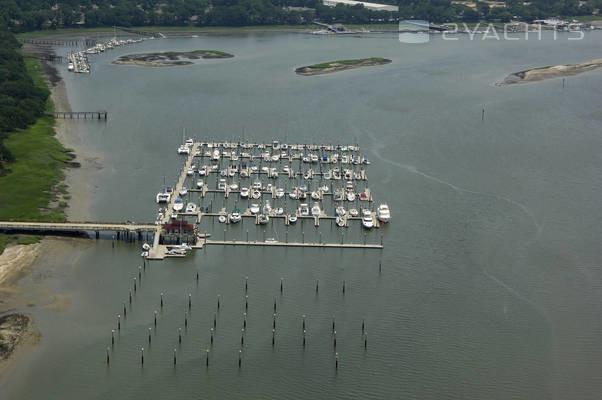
[
  {"x": 252, "y": 176},
  {"x": 78, "y": 61}
]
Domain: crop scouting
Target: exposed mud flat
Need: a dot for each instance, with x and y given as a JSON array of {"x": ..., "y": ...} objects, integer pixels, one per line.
[
  {"x": 170, "y": 58},
  {"x": 556, "y": 71}
]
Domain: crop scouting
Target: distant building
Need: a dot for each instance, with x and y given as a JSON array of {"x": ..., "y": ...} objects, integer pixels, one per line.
[{"x": 369, "y": 6}]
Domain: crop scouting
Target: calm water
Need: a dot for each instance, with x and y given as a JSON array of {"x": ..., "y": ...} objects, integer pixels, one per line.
[{"x": 490, "y": 283}]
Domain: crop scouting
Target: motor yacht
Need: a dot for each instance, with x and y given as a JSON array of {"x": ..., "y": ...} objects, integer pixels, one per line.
[
  {"x": 304, "y": 210},
  {"x": 178, "y": 205},
  {"x": 190, "y": 208},
  {"x": 315, "y": 210},
  {"x": 383, "y": 213},
  {"x": 244, "y": 193}
]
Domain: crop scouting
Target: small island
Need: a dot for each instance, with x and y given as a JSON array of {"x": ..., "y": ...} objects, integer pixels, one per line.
[
  {"x": 556, "y": 71},
  {"x": 342, "y": 65},
  {"x": 170, "y": 58}
]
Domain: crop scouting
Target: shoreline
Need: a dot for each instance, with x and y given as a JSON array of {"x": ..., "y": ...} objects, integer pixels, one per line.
[
  {"x": 549, "y": 72},
  {"x": 17, "y": 261}
]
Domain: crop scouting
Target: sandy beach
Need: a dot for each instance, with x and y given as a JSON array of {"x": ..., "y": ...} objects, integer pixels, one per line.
[{"x": 556, "y": 71}]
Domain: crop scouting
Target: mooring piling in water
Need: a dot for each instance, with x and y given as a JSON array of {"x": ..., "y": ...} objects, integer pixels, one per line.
[
  {"x": 130, "y": 296},
  {"x": 317, "y": 285},
  {"x": 212, "y": 331},
  {"x": 239, "y": 358},
  {"x": 112, "y": 337},
  {"x": 274, "y": 304},
  {"x": 244, "y": 321},
  {"x": 246, "y": 284},
  {"x": 281, "y": 285},
  {"x": 380, "y": 266},
  {"x": 155, "y": 317},
  {"x": 365, "y": 340},
  {"x": 107, "y": 355},
  {"x": 304, "y": 337},
  {"x": 336, "y": 360},
  {"x": 303, "y": 322},
  {"x": 161, "y": 299},
  {"x": 124, "y": 310},
  {"x": 214, "y": 320},
  {"x": 149, "y": 335},
  {"x": 175, "y": 352},
  {"x": 343, "y": 286},
  {"x": 140, "y": 272},
  {"x": 242, "y": 337},
  {"x": 246, "y": 302},
  {"x": 218, "y": 298},
  {"x": 207, "y": 358},
  {"x": 179, "y": 335},
  {"x": 118, "y": 321},
  {"x": 334, "y": 339},
  {"x": 185, "y": 319},
  {"x": 333, "y": 323},
  {"x": 274, "y": 322},
  {"x": 363, "y": 325},
  {"x": 189, "y": 300},
  {"x": 273, "y": 337},
  {"x": 142, "y": 355}
]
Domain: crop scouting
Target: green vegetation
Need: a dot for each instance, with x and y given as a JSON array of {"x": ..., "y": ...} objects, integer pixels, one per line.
[
  {"x": 35, "y": 159},
  {"x": 24, "y": 16},
  {"x": 5, "y": 240},
  {"x": 331, "y": 64}
]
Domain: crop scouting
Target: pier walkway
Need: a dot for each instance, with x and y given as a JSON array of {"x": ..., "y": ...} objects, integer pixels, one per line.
[
  {"x": 78, "y": 114},
  {"x": 75, "y": 227}
]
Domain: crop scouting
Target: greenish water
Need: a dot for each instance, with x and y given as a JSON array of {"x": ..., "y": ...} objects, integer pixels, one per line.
[{"x": 490, "y": 283}]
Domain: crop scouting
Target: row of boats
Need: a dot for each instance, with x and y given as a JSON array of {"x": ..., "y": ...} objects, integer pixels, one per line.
[
  {"x": 246, "y": 171},
  {"x": 264, "y": 213},
  {"x": 275, "y": 145},
  {"x": 78, "y": 61}
]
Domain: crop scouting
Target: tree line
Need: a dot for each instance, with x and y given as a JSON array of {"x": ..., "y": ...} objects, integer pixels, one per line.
[
  {"x": 442, "y": 11},
  {"x": 21, "y": 101},
  {"x": 28, "y": 15}
]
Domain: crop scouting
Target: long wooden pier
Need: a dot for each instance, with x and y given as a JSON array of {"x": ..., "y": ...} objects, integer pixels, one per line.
[
  {"x": 44, "y": 227},
  {"x": 293, "y": 244},
  {"x": 79, "y": 114}
]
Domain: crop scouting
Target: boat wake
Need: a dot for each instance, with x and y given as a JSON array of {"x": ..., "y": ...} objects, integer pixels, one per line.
[{"x": 414, "y": 170}]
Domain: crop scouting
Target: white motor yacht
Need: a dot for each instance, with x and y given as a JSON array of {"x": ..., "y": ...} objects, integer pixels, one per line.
[
  {"x": 190, "y": 208},
  {"x": 340, "y": 221},
  {"x": 200, "y": 183},
  {"x": 367, "y": 221},
  {"x": 244, "y": 193},
  {"x": 383, "y": 213},
  {"x": 235, "y": 217},
  {"x": 292, "y": 218},
  {"x": 340, "y": 211},
  {"x": 256, "y": 194},
  {"x": 279, "y": 211},
  {"x": 353, "y": 212},
  {"x": 350, "y": 196},
  {"x": 183, "y": 191},
  {"x": 279, "y": 193},
  {"x": 303, "y": 210},
  {"x": 183, "y": 149},
  {"x": 254, "y": 208},
  {"x": 178, "y": 205},
  {"x": 221, "y": 185},
  {"x": 263, "y": 219}
]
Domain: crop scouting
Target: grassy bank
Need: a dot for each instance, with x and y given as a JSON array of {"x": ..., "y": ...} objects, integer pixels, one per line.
[
  {"x": 199, "y": 29},
  {"x": 28, "y": 186}
]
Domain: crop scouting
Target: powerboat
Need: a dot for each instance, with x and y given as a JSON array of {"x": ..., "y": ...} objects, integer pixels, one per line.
[
  {"x": 200, "y": 183},
  {"x": 304, "y": 210},
  {"x": 221, "y": 185},
  {"x": 340, "y": 221},
  {"x": 279, "y": 211},
  {"x": 383, "y": 213},
  {"x": 233, "y": 186},
  {"x": 350, "y": 196},
  {"x": 191, "y": 208},
  {"x": 203, "y": 171},
  {"x": 257, "y": 185},
  {"x": 353, "y": 212},
  {"x": 256, "y": 194},
  {"x": 178, "y": 205},
  {"x": 183, "y": 149},
  {"x": 339, "y": 195},
  {"x": 254, "y": 208},
  {"x": 315, "y": 195},
  {"x": 315, "y": 210},
  {"x": 263, "y": 219},
  {"x": 183, "y": 191},
  {"x": 190, "y": 171},
  {"x": 367, "y": 222},
  {"x": 340, "y": 211},
  {"x": 292, "y": 218},
  {"x": 324, "y": 189},
  {"x": 293, "y": 194},
  {"x": 244, "y": 193},
  {"x": 235, "y": 216},
  {"x": 279, "y": 193},
  {"x": 222, "y": 218}
]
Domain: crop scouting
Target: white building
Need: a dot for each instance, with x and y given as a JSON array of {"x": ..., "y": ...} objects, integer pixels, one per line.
[{"x": 369, "y": 6}]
